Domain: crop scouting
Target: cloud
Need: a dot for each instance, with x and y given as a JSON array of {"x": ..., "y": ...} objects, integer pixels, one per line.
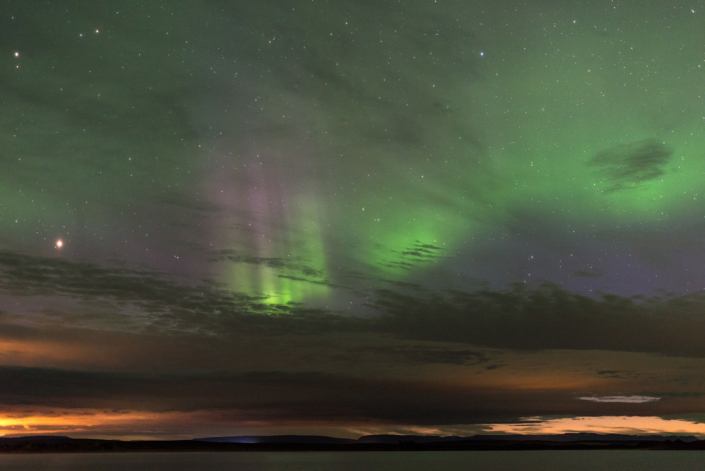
[
  {"x": 141, "y": 299},
  {"x": 623, "y": 399},
  {"x": 422, "y": 252},
  {"x": 280, "y": 396},
  {"x": 547, "y": 318},
  {"x": 629, "y": 165},
  {"x": 272, "y": 262},
  {"x": 425, "y": 354},
  {"x": 296, "y": 363},
  {"x": 418, "y": 253},
  {"x": 516, "y": 318},
  {"x": 322, "y": 283},
  {"x": 276, "y": 396}
]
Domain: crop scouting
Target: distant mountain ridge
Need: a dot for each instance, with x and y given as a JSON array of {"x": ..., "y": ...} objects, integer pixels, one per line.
[
  {"x": 400, "y": 439},
  {"x": 298, "y": 439},
  {"x": 289, "y": 443}
]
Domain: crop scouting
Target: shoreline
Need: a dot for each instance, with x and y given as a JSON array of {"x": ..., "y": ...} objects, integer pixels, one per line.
[{"x": 23, "y": 446}]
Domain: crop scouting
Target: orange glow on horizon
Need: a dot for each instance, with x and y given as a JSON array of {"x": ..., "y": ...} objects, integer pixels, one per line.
[
  {"x": 92, "y": 423},
  {"x": 628, "y": 425},
  {"x": 148, "y": 425},
  {"x": 28, "y": 353},
  {"x": 74, "y": 421}
]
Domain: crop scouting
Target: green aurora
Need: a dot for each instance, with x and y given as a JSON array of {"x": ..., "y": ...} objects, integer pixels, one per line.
[
  {"x": 314, "y": 167},
  {"x": 373, "y": 137}
]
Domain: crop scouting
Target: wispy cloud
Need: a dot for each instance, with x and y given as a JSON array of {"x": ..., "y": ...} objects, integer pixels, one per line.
[
  {"x": 271, "y": 262},
  {"x": 624, "y": 399},
  {"x": 414, "y": 255},
  {"x": 630, "y": 165}
]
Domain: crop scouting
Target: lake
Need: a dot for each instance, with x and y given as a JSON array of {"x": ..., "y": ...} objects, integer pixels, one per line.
[{"x": 382, "y": 461}]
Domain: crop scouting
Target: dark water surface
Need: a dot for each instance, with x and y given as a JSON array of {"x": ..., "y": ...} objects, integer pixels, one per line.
[{"x": 382, "y": 461}]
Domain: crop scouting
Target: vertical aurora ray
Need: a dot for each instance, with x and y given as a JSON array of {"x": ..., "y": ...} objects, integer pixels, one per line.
[
  {"x": 273, "y": 249},
  {"x": 289, "y": 265}
]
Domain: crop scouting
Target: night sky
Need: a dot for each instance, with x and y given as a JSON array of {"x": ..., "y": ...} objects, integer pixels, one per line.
[{"x": 371, "y": 216}]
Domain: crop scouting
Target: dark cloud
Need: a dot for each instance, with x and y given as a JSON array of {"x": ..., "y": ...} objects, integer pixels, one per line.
[
  {"x": 548, "y": 318},
  {"x": 271, "y": 262},
  {"x": 629, "y": 165},
  {"x": 403, "y": 265},
  {"x": 322, "y": 283},
  {"x": 301, "y": 397},
  {"x": 425, "y": 354},
  {"x": 415, "y": 255},
  {"x": 156, "y": 301},
  {"x": 422, "y": 252},
  {"x": 333, "y": 383},
  {"x": 518, "y": 318}
]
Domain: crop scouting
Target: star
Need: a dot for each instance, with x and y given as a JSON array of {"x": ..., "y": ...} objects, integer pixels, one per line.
[{"x": 59, "y": 244}]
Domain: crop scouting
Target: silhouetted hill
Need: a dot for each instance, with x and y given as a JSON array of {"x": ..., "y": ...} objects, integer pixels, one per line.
[
  {"x": 586, "y": 437},
  {"x": 424, "y": 439},
  {"x": 317, "y": 439},
  {"x": 395, "y": 439},
  {"x": 57, "y": 444}
]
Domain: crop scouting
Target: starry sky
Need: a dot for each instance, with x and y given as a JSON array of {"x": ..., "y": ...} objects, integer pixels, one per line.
[{"x": 342, "y": 218}]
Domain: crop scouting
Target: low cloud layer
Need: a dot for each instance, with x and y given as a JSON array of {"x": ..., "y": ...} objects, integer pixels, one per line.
[
  {"x": 517, "y": 318},
  {"x": 134, "y": 340},
  {"x": 623, "y": 399}
]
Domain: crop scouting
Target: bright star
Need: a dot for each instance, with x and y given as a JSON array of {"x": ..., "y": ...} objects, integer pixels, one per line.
[{"x": 59, "y": 243}]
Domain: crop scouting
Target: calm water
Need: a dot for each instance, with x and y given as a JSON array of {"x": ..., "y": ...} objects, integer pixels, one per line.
[{"x": 461, "y": 460}]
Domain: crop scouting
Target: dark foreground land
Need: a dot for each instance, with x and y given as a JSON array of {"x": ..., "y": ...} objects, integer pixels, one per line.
[{"x": 384, "y": 443}]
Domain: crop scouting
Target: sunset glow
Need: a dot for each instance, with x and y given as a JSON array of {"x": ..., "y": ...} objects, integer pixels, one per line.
[
  {"x": 76, "y": 422},
  {"x": 615, "y": 424},
  {"x": 103, "y": 424}
]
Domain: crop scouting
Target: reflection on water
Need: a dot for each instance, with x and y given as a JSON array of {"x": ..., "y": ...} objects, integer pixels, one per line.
[{"x": 367, "y": 461}]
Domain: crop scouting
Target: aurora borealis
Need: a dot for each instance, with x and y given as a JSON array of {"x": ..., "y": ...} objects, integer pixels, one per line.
[{"x": 321, "y": 217}]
